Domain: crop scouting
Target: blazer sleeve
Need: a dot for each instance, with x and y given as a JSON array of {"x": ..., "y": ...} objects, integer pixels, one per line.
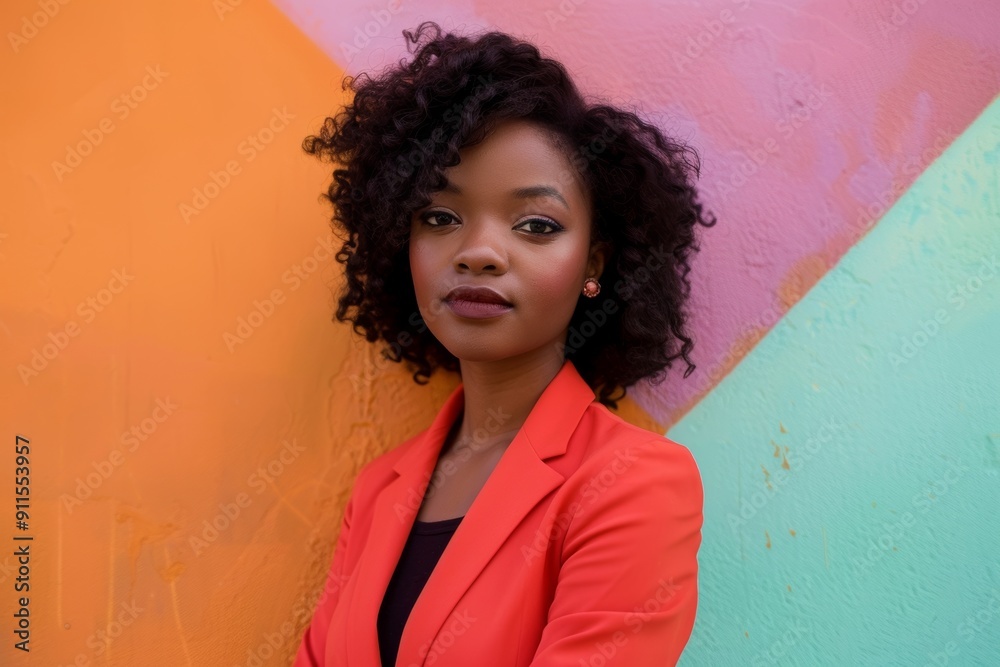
[
  {"x": 313, "y": 647},
  {"x": 627, "y": 588}
]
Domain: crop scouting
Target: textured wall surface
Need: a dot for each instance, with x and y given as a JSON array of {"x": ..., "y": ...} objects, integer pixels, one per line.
[
  {"x": 852, "y": 461},
  {"x": 196, "y": 421}
]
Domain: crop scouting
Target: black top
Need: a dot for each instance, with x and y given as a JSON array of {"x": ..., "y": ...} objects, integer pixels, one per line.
[{"x": 423, "y": 548}]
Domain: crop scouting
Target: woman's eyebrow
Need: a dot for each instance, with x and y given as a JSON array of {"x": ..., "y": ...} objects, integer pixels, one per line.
[{"x": 527, "y": 192}]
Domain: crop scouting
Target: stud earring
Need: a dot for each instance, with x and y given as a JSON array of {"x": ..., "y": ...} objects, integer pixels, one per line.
[{"x": 591, "y": 288}]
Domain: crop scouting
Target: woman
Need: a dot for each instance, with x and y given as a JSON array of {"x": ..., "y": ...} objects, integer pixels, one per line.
[{"x": 499, "y": 226}]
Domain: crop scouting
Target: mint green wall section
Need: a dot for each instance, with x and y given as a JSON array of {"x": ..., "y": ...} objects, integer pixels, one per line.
[{"x": 879, "y": 543}]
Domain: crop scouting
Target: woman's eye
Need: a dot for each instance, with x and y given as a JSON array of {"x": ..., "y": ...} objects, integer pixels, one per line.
[
  {"x": 547, "y": 224},
  {"x": 426, "y": 217}
]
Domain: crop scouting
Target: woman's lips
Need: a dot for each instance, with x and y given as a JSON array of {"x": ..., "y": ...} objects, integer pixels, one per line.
[{"x": 477, "y": 309}]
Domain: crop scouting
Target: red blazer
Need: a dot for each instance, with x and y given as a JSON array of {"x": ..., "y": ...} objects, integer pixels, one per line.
[{"x": 580, "y": 549}]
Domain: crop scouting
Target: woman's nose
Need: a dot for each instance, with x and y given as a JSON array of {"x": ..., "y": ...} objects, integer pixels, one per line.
[{"x": 482, "y": 247}]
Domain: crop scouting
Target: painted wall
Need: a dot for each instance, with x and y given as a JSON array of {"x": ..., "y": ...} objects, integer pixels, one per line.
[
  {"x": 852, "y": 461},
  {"x": 196, "y": 420}
]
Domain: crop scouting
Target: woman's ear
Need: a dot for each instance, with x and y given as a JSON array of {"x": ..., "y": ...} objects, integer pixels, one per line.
[{"x": 600, "y": 253}]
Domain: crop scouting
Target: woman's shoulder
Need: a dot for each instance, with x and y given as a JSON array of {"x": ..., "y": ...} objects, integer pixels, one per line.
[
  {"x": 605, "y": 433},
  {"x": 607, "y": 447},
  {"x": 619, "y": 465}
]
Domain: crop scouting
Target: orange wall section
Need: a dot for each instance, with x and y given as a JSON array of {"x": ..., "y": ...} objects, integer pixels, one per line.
[{"x": 151, "y": 412}]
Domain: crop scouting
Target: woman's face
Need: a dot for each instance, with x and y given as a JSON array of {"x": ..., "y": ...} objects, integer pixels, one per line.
[{"x": 514, "y": 217}]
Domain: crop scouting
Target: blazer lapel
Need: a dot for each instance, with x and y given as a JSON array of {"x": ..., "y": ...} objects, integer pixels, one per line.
[{"x": 520, "y": 481}]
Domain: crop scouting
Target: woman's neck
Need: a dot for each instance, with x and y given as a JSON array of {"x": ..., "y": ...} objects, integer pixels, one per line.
[{"x": 498, "y": 396}]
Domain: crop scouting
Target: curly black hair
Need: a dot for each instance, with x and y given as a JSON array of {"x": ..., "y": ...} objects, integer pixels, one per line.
[{"x": 407, "y": 124}]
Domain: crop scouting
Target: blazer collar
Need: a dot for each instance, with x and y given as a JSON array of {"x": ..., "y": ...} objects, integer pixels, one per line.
[{"x": 520, "y": 480}]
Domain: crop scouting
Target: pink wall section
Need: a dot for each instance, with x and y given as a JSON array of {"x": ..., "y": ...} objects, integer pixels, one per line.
[{"x": 811, "y": 118}]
